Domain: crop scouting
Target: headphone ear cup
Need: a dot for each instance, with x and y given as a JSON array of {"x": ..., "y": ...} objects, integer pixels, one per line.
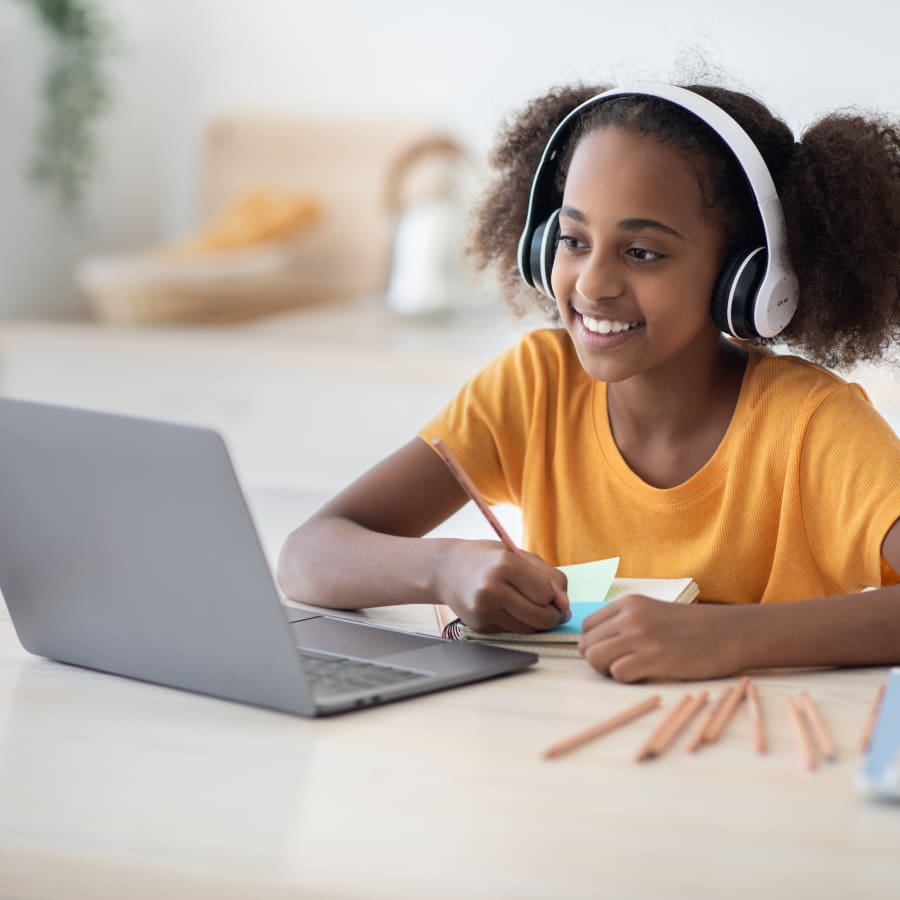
[
  {"x": 543, "y": 250},
  {"x": 734, "y": 295}
]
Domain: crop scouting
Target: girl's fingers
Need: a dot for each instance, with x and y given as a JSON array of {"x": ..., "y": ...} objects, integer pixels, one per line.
[
  {"x": 605, "y": 614},
  {"x": 539, "y": 583},
  {"x": 601, "y": 653},
  {"x": 504, "y": 608},
  {"x": 502, "y": 621},
  {"x": 522, "y": 594},
  {"x": 532, "y": 615}
]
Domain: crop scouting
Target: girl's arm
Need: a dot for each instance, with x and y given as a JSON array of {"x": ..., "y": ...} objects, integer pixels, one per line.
[
  {"x": 365, "y": 548},
  {"x": 637, "y": 638}
]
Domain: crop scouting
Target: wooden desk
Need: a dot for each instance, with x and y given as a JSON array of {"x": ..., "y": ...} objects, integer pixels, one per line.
[{"x": 114, "y": 789}]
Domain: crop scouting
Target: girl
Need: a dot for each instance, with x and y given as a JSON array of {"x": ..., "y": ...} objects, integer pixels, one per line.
[{"x": 635, "y": 428}]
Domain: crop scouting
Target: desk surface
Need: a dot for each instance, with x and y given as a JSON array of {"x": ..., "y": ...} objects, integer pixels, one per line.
[{"x": 113, "y": 788}]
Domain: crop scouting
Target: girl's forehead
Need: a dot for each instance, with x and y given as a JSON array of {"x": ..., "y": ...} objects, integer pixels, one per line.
[
  {"x": 615, "y": 165},
  {"x": 614, "y": 146}
]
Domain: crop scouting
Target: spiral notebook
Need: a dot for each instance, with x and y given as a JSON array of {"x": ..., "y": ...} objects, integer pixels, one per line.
[{"x": 590, "y": 586}]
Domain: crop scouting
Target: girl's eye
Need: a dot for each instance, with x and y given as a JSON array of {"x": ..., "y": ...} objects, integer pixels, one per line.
[
  {"x": 643, "y": 255},
  {"x": 570, "y": 242}
]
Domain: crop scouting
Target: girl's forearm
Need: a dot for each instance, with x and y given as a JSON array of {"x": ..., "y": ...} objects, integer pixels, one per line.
[
  {"x": 850, "y": 630},
  {"x": 339, "y": 564}
]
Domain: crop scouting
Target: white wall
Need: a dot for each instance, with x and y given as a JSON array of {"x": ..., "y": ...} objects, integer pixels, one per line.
[{"x": 462, "y": 64}]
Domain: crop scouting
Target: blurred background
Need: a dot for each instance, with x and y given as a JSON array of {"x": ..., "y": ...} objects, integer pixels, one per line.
[
  {"x": 248, "y": 213},
  {"x": 173, "y": 67}
]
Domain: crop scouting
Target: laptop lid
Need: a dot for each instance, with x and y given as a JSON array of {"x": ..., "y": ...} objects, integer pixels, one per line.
[{"x": 126, "y": 545}]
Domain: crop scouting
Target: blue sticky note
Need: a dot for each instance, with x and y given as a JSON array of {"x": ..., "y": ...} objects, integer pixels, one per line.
[{"x": 589, "y": 583}]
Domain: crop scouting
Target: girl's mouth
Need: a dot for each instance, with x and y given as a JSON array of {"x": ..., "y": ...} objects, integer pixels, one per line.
[{"x": 606, "y": 332}]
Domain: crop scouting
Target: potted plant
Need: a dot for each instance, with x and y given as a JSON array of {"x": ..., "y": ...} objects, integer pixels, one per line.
[{"x": 76, "y": 94}]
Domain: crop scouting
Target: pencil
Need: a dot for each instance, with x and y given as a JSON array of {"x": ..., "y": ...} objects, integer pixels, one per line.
[
  {"x": 646, "y": 750},
  {"x": 817, "y": 726},
  {"x": 601, "y": 728},
  {"x": 672, "y": 726},
  {"x": 759, "y": 734},
  {"x": 726, "y": 713},
  {"x": 804, "y": 745},
  {"x": 699, "y": 734},
  {"x": 871, "y": 720},
  {"x": 466, "y": 483}
]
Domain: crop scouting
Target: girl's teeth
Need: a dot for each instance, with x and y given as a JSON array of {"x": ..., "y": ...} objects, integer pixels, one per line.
[{"x": 606, "y": 326}]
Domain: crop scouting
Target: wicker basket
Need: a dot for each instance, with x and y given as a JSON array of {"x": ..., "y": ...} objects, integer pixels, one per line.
[{"x": 149, "y": 288}]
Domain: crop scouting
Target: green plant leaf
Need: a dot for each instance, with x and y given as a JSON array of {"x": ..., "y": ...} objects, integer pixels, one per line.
[{"x": 76, "y": 94}]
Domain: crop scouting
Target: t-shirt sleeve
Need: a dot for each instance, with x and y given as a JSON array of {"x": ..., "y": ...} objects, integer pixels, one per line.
[
  {"x": 487, "y": 424},
  {"x": 850, "y": 486}
]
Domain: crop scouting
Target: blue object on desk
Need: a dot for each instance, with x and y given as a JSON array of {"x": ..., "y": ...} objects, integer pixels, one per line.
[
  {"x": 880, "y": 772},
  {"x": 580, "y": 611}
]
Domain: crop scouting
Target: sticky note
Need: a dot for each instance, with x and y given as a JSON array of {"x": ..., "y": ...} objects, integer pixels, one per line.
[{"x": 589, "y": 583}]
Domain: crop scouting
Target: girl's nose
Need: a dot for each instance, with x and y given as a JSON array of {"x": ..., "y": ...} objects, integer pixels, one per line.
[{"x": 599, "y": 278}]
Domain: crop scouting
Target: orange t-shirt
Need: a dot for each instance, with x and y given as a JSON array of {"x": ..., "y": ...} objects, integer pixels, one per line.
[{"x": 795, "y": 502}]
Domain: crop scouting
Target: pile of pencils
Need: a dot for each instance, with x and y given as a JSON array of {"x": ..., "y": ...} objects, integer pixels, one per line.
[{"x": 808, "y": 727}]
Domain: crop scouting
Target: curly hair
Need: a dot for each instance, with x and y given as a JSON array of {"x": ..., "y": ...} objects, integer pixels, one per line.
[{"x": 839, "y": 187}]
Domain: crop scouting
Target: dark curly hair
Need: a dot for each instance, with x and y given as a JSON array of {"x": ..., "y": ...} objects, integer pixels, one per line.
[{"x": 839, "y": 186}]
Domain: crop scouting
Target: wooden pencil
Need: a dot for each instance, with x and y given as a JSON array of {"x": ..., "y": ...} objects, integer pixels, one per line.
[
  {"x": 696, "y": 738},
  {"x": 869, "y": 727},
  {"x": 804, "y": 745},
  {"x": 678, "y": 725},
  {"x": 646, "y": 750},
  {"x": 674, "y": 724},
  {"x": 466, "y": 483},
  {"x": 759, "y": 733},
  {"x": 817, "y": 726},
  {"x": 604, "y": 727},
  {"x": 726, "y": 713}
]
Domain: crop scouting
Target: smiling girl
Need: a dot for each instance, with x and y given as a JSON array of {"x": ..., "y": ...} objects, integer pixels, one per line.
[{"x": 636, "y": 428}]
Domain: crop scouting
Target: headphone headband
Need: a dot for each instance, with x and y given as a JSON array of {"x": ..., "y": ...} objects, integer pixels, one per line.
[{"x": 778, "y": 287}]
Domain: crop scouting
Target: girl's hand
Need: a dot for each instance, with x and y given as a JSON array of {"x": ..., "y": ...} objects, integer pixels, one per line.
[
  {"x": 493, "y": 589},
  {"x": 636, "y": 638}
]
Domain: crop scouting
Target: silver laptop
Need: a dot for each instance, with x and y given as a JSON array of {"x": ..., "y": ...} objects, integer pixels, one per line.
[{"x": 126, "y": 546}]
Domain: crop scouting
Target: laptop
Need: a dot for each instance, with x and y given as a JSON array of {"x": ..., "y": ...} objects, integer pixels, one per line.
[{"x": 126, "y": 546}]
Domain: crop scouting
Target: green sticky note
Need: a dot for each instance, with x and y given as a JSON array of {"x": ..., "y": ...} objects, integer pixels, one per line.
[{"x": 589, "y": 584}]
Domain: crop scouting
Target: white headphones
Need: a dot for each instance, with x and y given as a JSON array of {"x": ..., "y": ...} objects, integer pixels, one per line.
[{"x": 756, "y": 293}]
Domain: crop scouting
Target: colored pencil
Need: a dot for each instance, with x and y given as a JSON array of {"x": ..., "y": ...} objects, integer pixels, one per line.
[
  {"x": 726, "y": 713},
  {"x": 756, "y": 716},
  {"x": 672, "y": 726},
  {"x": 604, "y": 727},
  {"x": 697, "y": 737},
  {"x": 817, "y": 726},
  {"x": 646, "y": 750},
  {"x": 871, "y": 720},
  {"x": 804, "y": 745},
  {"x": 466, "y": 483}
]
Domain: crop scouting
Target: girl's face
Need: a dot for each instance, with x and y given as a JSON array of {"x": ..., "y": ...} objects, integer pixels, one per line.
[{"x": 638, "y": 256}]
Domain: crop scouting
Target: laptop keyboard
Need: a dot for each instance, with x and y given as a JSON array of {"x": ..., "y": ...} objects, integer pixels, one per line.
[{"x": 332, "y": 675}]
